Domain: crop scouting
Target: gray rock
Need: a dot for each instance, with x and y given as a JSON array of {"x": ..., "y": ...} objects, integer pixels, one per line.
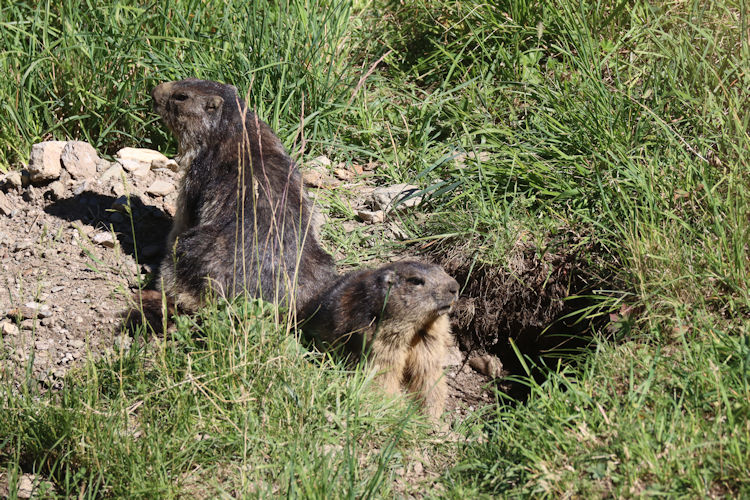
[
  {"x": 167, "y": 163},
  {"x": 160, "y": 188},
  {"x": 102, "y": 165},
  {"x": 8, "y": 328},
  {"x": 21, "y": 245},
  {"x": 388, "y": 197},
  {"x": 115, "y": 171},
  {"x": 26, "y": 486},
  {"x": 79, "y": 159},
  {"x": 488, "y": 365},
  {"x": 144, "y": 158},
  {"x": 13, "y": 179},
  {"x": 44, "y": 164},
  {"x": 6, "y": 206},
  {"x": 321, "y": 160},
  {"x": 36, "y": 310},
  {"x": 371, "y": 217},
  {"x": 56, "y": 190},
  {"x": 80, "y": 187},
  {"x": 104, "y": 239},
  {"x": 132, "y": 165}
]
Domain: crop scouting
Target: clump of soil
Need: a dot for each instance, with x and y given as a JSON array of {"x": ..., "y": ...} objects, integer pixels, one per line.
[{"x": 534, "y": 301}]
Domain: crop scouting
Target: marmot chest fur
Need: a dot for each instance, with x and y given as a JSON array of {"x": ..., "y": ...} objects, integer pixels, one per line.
[
  {"x": 243, "y": 218},
  {"x": 395, "y": 315}
]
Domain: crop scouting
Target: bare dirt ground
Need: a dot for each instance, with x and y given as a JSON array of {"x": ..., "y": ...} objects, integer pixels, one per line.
[
  {"x": 71, "y": 260},
  {"x": 68, "y": 268}
]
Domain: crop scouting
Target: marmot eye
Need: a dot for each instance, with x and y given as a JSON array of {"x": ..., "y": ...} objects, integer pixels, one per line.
[
  {"x": 415, "y": 280},
  {"x": 180, "y": 97}
]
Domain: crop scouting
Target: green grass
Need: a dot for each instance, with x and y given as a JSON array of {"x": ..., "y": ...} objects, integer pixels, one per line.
[
  {"x": 623, "y": 123},
  {"x": 230, "y": 404}
]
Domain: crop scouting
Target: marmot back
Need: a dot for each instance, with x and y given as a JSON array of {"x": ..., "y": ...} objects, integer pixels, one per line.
[
  {"x": 397, "y": 316},
  {"x": 243, "y": 218}
]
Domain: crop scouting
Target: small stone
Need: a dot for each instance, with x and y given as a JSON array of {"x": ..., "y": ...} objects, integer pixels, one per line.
[
  {"x": 41, "y": 345},
  {"x": 55, "y": 191},
  {"x": 313, "y": 178},
  {"x": 418, "y": 468},
  {"x": 397, "y": 231},
  {"x": 488, "y": 365},
  {"x": 21, "y": 245},
  {"x": 25, "y": 486},
  {"x": 36, "y": 310},
  {"x": 321, "y": 160},
  {"x": 388, "y": 197},
  {"x": 102, "y": 165},
  {"x": 6, "y": 206},
  {"x": 113, "y": 172},
  {"x": 343, "y": 174},
  {"x": 142, "y": 155},
  {"x": 170, "y": 208},
  {"x": 129, "y": 165},
  {"x": 104, "y": 239},
  {"x": 165, "y": 163},
  {"x": 118, "y": 189},
  {"x": 140, "y": 173},
  {"x": 9, "y": 328},
  {"x": 30, "y": 195},
  {"x": 77, "y": 344},
  {"x": 460, "y": 158},
  {"x": 13, "y": 179},
  {"x": 79, "y": 158},
  {"x": 371, "y": 217},
  {"x": 44, "y": 163},
  {"x": 160, "y": 188},
  {"x": 80, "y": 187}
]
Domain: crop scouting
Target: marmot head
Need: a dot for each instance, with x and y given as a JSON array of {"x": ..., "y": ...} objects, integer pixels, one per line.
[
  {"x": 193, "y": 109},
  {"x": 416, "y": 290}
]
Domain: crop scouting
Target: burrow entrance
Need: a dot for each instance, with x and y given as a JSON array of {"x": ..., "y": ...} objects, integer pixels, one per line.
[{"x": 546, "y": 303}]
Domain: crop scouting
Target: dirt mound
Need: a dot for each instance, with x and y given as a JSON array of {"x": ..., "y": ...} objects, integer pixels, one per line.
[
  {"x": 73, "y": 247},
  {"x": 533, "y": 300}
]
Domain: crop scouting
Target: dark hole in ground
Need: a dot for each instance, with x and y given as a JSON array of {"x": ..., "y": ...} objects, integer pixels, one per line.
[{"x": 538, "y": 300}]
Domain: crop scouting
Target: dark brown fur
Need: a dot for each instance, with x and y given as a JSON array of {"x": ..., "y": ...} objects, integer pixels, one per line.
[
  {"x": 243, "y": 218},
  {"x": 395, "y": 315}
]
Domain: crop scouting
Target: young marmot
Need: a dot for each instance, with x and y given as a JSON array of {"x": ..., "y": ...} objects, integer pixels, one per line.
[
  {"x": 243, "y": 219},
  {"x": 396, "y": 316}
]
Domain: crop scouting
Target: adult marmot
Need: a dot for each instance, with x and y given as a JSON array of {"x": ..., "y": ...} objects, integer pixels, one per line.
[
  {"x": 243, "y": 219},
  {"x": 395, "y": 315}
]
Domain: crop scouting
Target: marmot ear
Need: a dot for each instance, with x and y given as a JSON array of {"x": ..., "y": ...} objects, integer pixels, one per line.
[{"x": 212, "y": 103}]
